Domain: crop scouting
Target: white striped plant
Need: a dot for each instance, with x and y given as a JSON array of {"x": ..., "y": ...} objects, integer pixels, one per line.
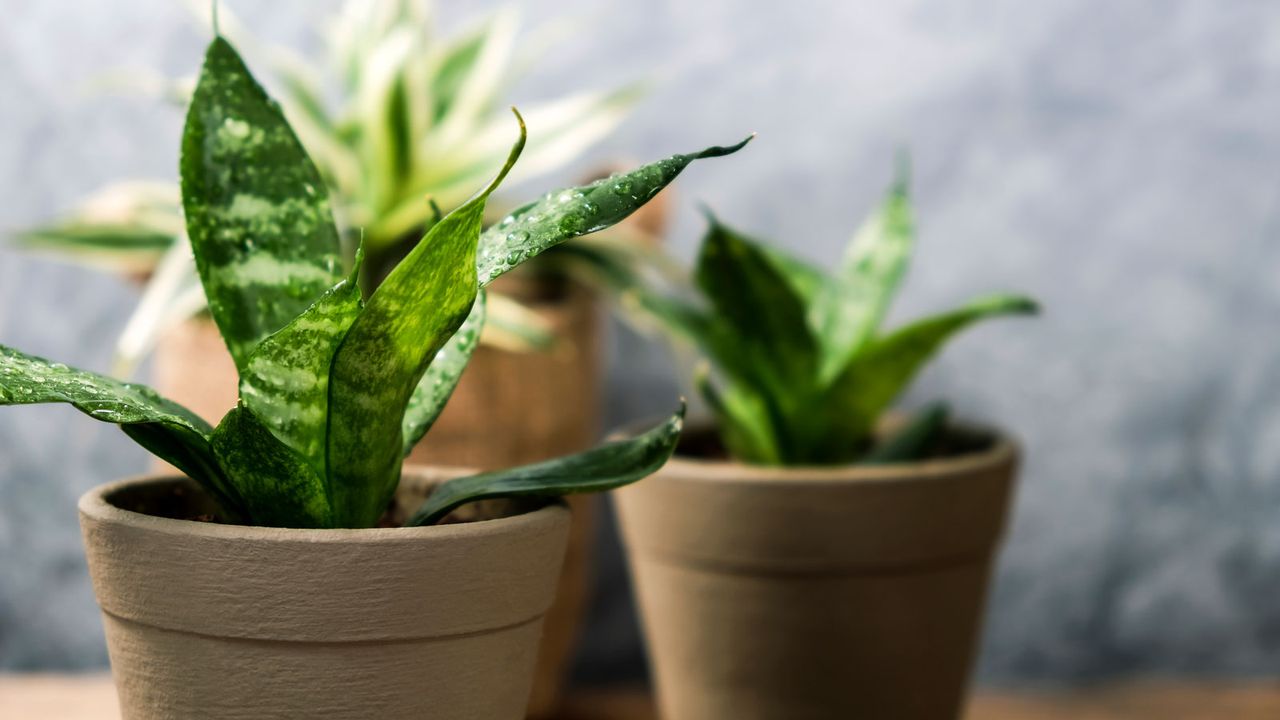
[
  {"x": 415, "y": 116},
  {"x": 336, "y": 387}
]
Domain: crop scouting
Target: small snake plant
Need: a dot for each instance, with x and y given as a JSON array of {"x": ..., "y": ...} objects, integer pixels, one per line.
[
  {"x": 803, "y": 370},
  {"x": 414, "y": 116},
  {"x": 336, "y": 388}
]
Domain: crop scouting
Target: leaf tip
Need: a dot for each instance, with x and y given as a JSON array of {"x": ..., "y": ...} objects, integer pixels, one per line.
[
  {"x": 722, "y": 150},
  {"x": 901, "y": 171},
  {"x": 516, "y": 149}
]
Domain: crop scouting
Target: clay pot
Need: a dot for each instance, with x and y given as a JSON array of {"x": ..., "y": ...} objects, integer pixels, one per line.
[
  {"x": 205, "y": 620},
  {"x": 794, "y": 593}
]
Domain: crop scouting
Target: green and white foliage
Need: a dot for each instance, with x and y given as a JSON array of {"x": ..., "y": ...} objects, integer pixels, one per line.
[
  {"x": 801, "y": 369},
  {"x": 401, "y": 114},
  {"x": 336, "y": 387}
]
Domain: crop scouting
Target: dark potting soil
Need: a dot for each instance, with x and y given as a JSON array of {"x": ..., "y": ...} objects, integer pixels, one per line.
[{"x": 182, "y": 499}]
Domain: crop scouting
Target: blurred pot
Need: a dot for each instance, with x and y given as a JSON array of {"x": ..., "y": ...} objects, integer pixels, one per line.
[
  {"x": 205, "y": 620},
  {"x": 513, "y": 408},
  {"x": 792, "y": 593},
  {"x": 193, "y": 367}
]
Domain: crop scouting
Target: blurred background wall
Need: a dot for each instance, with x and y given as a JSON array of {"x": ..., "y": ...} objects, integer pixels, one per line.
[{"x": 1118, "y": 160}]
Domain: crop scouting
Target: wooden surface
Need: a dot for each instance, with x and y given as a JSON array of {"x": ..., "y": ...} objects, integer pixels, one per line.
[{"x": 92, "y": 697}]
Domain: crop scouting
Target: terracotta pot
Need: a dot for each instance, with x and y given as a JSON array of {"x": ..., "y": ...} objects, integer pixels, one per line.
[
  {"x": 793, "y": 593},
  {"x": 221, "y": 621}
]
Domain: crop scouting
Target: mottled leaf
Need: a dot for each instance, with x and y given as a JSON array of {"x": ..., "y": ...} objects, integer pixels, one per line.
[
  {"x": 170, "y": 430},
  {"x": 278, "y": 485},
  {"x": 257, "y": 210},
  {"x": 849, "y": 307},
  {"x": 606, "y": 467},
  {"x": 286, "y": 381},
  {"x": 569, "y": 213},
  {"x": 383, "y": 357},
  {"x": 442, "y": 376}
]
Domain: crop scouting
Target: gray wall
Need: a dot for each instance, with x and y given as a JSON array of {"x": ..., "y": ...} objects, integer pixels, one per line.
[{"x": 1117, "y": 160}]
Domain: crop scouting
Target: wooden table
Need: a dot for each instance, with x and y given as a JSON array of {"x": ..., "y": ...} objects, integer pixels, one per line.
[{"x": 91, "y": 697}]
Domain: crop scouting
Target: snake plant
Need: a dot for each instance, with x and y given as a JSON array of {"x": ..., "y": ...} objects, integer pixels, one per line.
[
  {"x": 335, "y": 388},
  {"x": 803, "y": 370},
  {"x": 413, "y": 116}
]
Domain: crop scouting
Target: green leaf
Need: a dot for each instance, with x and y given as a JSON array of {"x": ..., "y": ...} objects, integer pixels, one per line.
[
  {"x": 882, "y": 370},
  {"x": 257, "y": 210},
  {"x": 762, "y": 310},
  {"x": 912, "y": 440},
  {"x": 278, "y": 485},
  {"x": 168, "y": 429},
  {"x": 743, "y": 420},
  {"x": 286, "y": 381},
  {"x": 563, "y": 215},
  {"x": 442, "y": 376},
  {"x": 849, "y": 307},
  {"x": 73, "y": 238},
  {"x": 193, "y": 455},
  {"x": 806, "y": 281},
  {"x": 603, "y": 468},
  {"x": 383, "y": 357},
  {"x": 455, "y": 65}
]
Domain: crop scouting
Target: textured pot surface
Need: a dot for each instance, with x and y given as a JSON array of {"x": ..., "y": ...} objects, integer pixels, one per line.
[
  {"x": 222, "y": 621},
  {"x": 786, "y": 594}
]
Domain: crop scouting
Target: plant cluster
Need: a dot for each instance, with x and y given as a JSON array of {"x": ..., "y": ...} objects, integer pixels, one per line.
[
  {"x": 336, "y": 388},
  {"x": 803, "y": 369},
  {"x": 401, "y": 115}
]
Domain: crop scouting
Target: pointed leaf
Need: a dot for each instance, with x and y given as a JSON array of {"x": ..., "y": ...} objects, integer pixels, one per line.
[
  {"x": 567, "y": 214},
  {"x": 743, "y": 421},
  {"x": 170, "y": 430},
  {"x": 603, "y": 468},
  {"x": 757, "y": 302},
  {"x": 849, "y": 307},
  {"x": 882, "y": 370},
  {"x": 442, "y": 376},
  {"x": 383, "y": 357},
  {"x": 286, "y": 381},
  {"x": 278, "y": 485},
  {"x": 257, "y": 210}
]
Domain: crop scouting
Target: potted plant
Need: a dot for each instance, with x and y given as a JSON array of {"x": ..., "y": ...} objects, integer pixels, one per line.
[
  {"x": 804, "y": 556},
  {"x": 296, "y": 569},
  {"x": 414, "y": 114}
]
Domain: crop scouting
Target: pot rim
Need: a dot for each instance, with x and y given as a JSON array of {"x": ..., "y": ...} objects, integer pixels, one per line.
[
  {"x": 1004, "y": 450},
  {"x": 93, "y": 503}
]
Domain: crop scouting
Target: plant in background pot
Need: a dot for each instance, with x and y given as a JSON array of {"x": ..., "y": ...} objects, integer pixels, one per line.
[
  {"x": 296, "y": 570},
  {"x": 804, "y": 558}
]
